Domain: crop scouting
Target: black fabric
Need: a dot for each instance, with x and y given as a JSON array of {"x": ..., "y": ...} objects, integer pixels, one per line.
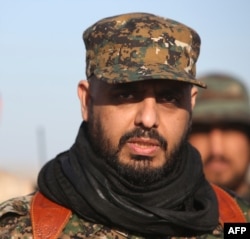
[{"x": 182, "y": 204}]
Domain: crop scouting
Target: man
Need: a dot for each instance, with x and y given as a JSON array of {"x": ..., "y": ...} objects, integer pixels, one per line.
[
  {"x": 131, "y": 172},
  {"x": 221, "y": 130}
]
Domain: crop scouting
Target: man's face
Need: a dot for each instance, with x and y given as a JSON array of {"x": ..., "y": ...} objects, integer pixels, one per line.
[
  {"x": 138, "y": 127},
  {"x": 225, "y": 153}
]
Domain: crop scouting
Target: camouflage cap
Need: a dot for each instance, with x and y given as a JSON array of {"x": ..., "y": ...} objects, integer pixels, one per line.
[
  {"x": 141, "y": 46},
  {"x": 226, "y": 100}
]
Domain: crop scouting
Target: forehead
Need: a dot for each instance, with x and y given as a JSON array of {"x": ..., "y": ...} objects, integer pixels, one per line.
[{"x": 221, "y": 125}]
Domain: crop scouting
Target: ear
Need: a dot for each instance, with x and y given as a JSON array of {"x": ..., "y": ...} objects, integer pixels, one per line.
[
  {"x": 84, "y": 96},
  {"x": 194, "y": 92}
]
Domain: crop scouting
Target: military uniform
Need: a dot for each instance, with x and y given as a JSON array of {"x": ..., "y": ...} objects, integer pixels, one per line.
[{"x": 15, "y": 222}]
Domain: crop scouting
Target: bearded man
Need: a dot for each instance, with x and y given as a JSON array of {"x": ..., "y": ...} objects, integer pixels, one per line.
[{"x": 131, "y": 172}]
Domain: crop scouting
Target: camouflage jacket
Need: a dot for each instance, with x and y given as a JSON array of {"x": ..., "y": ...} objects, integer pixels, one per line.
[{"x": 15, "y": 223}]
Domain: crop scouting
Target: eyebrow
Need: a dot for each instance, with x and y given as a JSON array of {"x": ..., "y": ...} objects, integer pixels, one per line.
[
  {"x": 137, "y": 86},
  {"x": 124, "y": 86}
]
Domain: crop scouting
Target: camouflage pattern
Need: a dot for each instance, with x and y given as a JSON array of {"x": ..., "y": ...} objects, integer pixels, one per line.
[
  {"x": 141, "y": 46},
  {"x": 15, "y": 223},
  {"x": 15, "y": 218},
  {"x": 226, "y": 100}
]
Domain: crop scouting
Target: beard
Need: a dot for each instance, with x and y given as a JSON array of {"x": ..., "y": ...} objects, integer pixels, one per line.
[
  {"x": 140, "y": 174},
  {"x": 235, "y": 180}
]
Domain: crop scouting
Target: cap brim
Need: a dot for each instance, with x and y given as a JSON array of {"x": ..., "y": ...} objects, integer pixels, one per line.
[
  {"x": 210, "y": 112},
  {"x": 122, "y": 74}
]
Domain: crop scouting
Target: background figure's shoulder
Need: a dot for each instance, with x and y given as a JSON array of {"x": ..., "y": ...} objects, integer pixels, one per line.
[
  {"x": 243, "y": 203},
  {"x": 15, "y": 217},
  {"x": 244, "y": 206}
]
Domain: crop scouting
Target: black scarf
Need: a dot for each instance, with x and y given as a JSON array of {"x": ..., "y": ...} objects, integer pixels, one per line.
[{"x": 182, "y": 204}]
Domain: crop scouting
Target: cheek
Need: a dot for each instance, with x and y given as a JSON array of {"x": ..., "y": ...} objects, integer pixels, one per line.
[
  {"x": 176, "y": 127},
  {"x": 237, "y": 148},
  {"x": 201, "y": 143},
  {"x": 114, "y": 122}
]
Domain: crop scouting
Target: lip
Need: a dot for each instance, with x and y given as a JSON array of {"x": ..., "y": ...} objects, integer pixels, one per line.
[
  {"x": 143, "y": 146},
  {"x": 217, "y": 165}
]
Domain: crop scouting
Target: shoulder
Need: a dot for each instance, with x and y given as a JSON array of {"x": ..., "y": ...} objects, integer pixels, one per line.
[
  {"x": 231, "y": 207},
  {"x": 18, "y": 206},
  {"x": 15, "y": 222},
  {"x": 15, "y": 217},
  {"x": 244, "y": 206}
]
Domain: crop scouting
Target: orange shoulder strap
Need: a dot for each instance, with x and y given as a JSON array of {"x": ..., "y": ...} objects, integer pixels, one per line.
[
  {"x": 48, "y": 218},
  {"x": 229, "y": 210}
]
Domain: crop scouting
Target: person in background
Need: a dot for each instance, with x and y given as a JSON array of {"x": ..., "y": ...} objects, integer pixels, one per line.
[
  {"x": 221, "y": 132},
  {"x": 131, "y": 172},
  {"x": 12, "y": 185}
]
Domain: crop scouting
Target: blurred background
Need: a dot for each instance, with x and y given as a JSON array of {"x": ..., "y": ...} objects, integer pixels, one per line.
[{"x": 42, "y": 61}]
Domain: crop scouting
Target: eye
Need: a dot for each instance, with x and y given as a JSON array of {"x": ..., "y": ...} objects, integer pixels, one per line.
[
  {"x": 126, "y": 96},
  {"x": 168, "y": 98},
  {"x": 123, "y": 95}
]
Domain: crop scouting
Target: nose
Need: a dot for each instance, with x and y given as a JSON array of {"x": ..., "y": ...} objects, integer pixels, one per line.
[
  {"x": 216, "y": 141},
  {"x": 147, "y": 114}
]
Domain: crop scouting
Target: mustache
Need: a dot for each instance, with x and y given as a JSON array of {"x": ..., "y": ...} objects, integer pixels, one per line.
[
  {"x": 139, "y": 132},
  {"x": 220, "y": 158}
]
